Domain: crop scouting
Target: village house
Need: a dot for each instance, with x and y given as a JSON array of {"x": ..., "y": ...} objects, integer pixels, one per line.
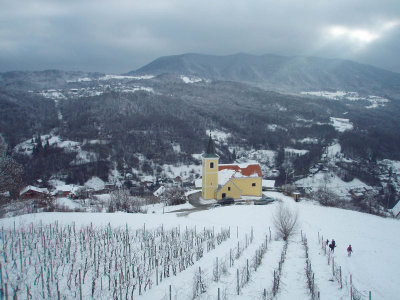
[
  {"x": 221, "y": 181},
  {"x": 268, "y": 185},
  {"x": 33, "y": 192}
]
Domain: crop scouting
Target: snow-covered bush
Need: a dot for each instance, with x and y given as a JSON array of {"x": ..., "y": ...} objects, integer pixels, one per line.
[
  {"x": 326, "y": 197},
  {"x": 173, "y": 196},
  {"x": 120, "y": 200}
]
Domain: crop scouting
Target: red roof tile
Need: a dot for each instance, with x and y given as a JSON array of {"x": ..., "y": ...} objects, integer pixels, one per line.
[{"x": 248, "y": 170}]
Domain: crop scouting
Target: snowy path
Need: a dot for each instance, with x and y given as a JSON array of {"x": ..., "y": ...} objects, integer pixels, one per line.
[
  {"x": 293, "y": 281},
  {"x": 329, "y": 288}
]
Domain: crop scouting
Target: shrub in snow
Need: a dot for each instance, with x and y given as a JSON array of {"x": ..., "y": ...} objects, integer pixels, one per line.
[
  {"x": 173, "y": 196},
  {"x": 120, "y": 200},
  {"x": 285, "y": 222},
  {"x": 326, "y": 197}
]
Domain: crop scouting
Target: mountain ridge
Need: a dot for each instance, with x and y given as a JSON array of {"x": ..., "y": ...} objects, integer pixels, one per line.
[{"x": 280, "y": 73}]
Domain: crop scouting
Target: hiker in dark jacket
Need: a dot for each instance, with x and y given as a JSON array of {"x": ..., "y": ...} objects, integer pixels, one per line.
[{"x": 332, "y": 246}]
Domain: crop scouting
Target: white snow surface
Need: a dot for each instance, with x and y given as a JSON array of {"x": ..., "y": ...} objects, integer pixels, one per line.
[
  {"x": 341, "y": 124},
  {"x": 119, "y": 77},
  {"x": 375, "y": 101},
  {"x": 333, "y": 150},
  {"x": 95, "y": 183},
  {"x": 374, "y": 265},
  {"x": 308, "y": 140},
  {"x": 187, "y": 79},
  {"x": 27, "y": 146},
  {"x": 111, "y": 76},
  {"x": 220, "y": 135},
  {"x": 274, "y": 127},
  {"x": 332, "y": 182},
  {"x": 184, "y": 171},
  {"x": 52, "y": 94},
  {"x": 298, "y": 152}
]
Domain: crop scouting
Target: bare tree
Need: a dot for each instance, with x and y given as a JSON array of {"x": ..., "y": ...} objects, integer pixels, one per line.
[
  {"x": 120, "y": 200},
  {"x": 285, "y": 222},
  {"x": 10, "y": 172},
  {"x": 173, "y": 196}
]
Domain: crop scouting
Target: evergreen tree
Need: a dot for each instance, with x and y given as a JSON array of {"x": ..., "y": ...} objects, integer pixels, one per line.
[{"x": 10, "y": 172}]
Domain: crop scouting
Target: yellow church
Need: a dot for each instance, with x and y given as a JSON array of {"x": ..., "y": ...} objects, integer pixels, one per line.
[{"x": 221, "y": 181}]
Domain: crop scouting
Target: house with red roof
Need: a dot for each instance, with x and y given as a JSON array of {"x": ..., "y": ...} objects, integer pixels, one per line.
[
  {"x": 33, "y": 192},
  {"x": 221, "y": 181}
]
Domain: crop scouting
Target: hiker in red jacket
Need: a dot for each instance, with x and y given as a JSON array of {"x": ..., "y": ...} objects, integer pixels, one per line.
[{"x": 349, "y": 250}]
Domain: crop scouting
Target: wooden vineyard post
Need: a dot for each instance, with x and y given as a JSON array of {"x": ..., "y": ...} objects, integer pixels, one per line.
[
  {"x": 237, "y": 280},
  {"x": 247, "y": 267}
]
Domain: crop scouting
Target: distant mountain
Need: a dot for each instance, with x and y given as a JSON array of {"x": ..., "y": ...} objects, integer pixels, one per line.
[{"x": 280, "y": 73}]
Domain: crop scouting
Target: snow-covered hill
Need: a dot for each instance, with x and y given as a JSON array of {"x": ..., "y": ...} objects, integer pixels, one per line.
[{"x": 374, "y": 265}]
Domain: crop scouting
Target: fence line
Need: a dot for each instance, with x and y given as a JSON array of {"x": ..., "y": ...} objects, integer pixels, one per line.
[
  {"x": 315, "y": 294},
  {"x": 355, "y": 294}
]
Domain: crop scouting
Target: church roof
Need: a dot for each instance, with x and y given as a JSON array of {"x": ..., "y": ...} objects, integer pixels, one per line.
[
  {"x": 242, "y": 170},
  {"x": 210, "y": 151}
]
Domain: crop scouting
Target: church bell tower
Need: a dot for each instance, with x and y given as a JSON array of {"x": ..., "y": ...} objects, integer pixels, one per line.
[{"x": 209, "y": 171}]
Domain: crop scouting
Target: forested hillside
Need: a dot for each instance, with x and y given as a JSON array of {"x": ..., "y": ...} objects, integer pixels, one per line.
[{"x": 73, "y": 125}]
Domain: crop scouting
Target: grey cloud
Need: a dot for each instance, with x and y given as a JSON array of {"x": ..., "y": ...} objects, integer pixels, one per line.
[{"x": 124, "y": 35}]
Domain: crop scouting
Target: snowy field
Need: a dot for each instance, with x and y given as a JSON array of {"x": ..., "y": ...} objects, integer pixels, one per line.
[
  {"x": 65, "y": 253},
  {"x": 331, "y": 181},
  {"x": 374, "y": 101}
]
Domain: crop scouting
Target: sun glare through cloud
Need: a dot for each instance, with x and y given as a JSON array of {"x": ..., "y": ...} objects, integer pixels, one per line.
[{"x": 359, "y": 35}]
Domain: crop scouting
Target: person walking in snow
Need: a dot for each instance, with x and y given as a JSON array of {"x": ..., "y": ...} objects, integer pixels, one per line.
[
  {"x": 332, "y": 246},
  {"x": 349, "y": 250}
]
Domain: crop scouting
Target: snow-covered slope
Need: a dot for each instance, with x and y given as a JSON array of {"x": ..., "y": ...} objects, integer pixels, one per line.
[{"x": 374, "y": 265}]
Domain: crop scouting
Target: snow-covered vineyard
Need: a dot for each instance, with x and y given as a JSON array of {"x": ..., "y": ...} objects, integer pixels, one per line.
[{"x": 222, "y": 253}]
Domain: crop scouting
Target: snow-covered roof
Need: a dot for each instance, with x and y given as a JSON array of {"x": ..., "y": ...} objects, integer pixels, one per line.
[
  {"x": 65, "y": 188},
  {"x": 243, "y": 170},
  {"x": 34, "y": 188},
  {"x": 228, "y": 171},
  {"x": 147, "y": 178},
  {"x": 159, "y": 191},
  {"x": 198, "y": 183},
  {"x": 224, "y": 176},
  {"x": 296, "y": 151},
  {"x": 396, "y": 208},
  {"x": 268, "y": 183},
  {"x": 95, "y": 183}
]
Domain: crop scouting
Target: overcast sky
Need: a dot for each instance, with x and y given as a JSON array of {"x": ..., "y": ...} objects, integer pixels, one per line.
[{"x": 118, "y": 36}]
